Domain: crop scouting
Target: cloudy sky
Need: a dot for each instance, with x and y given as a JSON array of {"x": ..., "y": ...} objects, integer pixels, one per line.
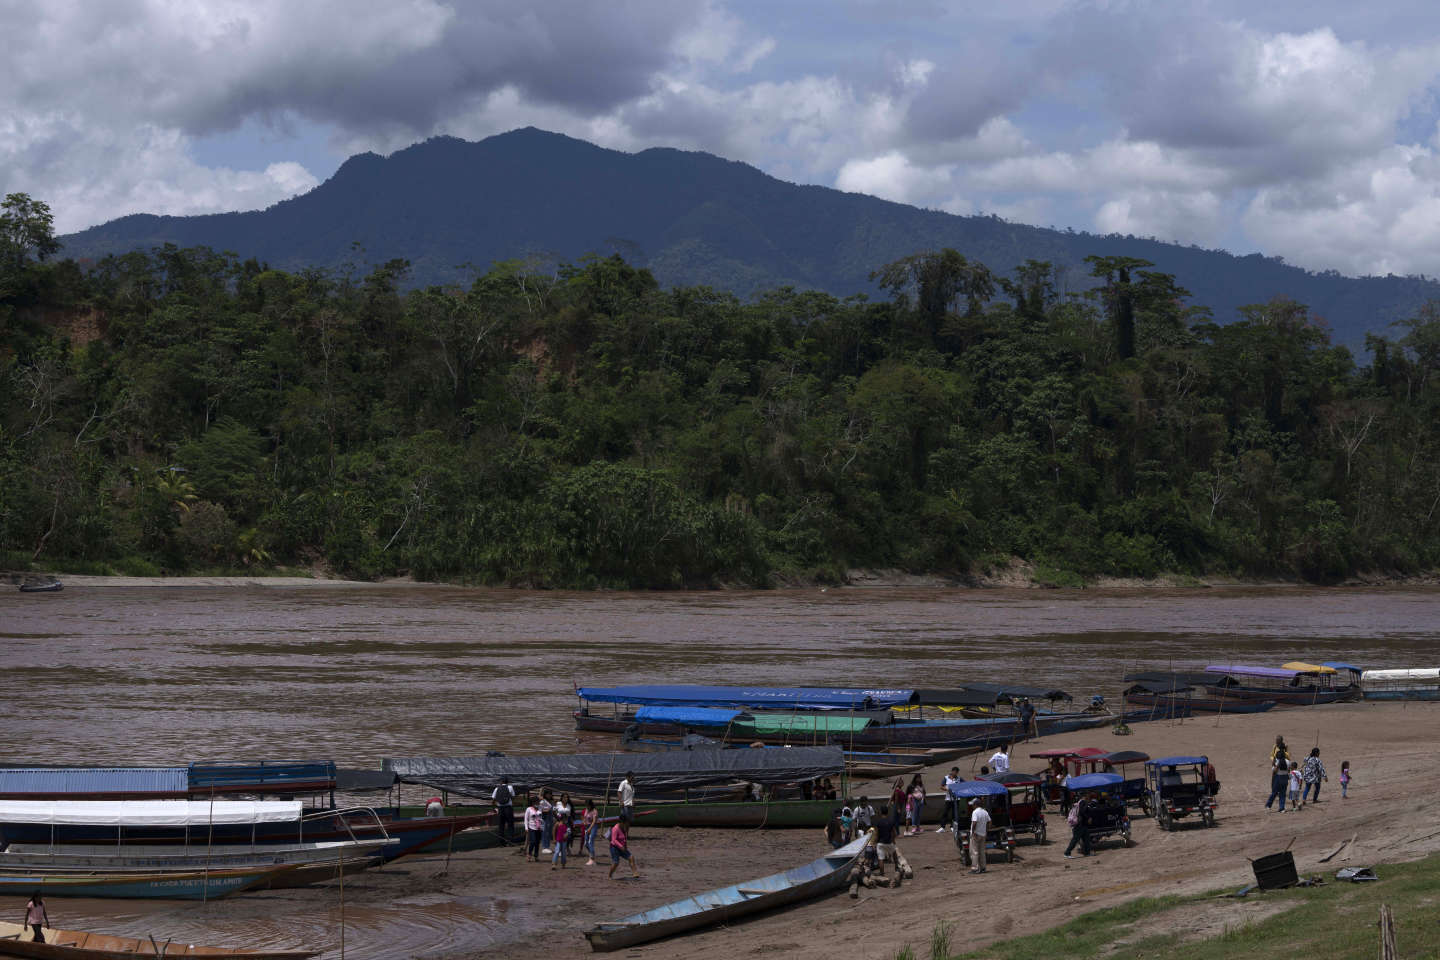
[{"x": 1307, "y": 130}]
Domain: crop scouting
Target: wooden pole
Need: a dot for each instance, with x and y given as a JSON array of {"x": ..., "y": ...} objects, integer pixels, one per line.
[{"x": 1388, "y": 950}]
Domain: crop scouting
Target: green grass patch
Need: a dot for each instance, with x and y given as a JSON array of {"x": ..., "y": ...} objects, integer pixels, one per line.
[
  {"x": 1337, "y": 921},
  {"x": 1056, "y": 577}
]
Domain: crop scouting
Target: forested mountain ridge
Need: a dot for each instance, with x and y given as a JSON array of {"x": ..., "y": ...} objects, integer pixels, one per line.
[
  {"x": 586, "y": 427},
  {"x": 691, "y": 219}
]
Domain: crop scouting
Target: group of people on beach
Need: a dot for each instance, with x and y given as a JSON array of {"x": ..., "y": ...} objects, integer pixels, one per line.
[
  {"x": 1297, "y": 779},
  {"x": 554, "y": 826}
]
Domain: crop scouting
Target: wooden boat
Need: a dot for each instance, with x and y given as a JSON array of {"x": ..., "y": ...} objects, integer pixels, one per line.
[
  {"x": 315, "y": 862},
  {"x": 156, "y": 884},
  {"x": 16, "y": 941},
  {"x": 54, "y": 586},
  {"x": 818, "y": 877},
  {"x": 1287, "y": 686},
  {"x": 1414, "y": 684}
]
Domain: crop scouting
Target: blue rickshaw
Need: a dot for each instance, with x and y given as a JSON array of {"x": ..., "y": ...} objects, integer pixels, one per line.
[
  {"x": 1181, "y": 787},
  {"x": 995, "y": 798},
  {"x": 1107, "y": 815}
]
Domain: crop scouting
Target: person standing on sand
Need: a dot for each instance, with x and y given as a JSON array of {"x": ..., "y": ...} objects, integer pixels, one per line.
[
  {"x": 35, "y": 915},
  {"x": 885, "y": 833},
  {"x": 620, "y": 849},
  {"x": 1344, "y": 779},
  {"x": 864, "y": 815},
  {"x": 835, "y": 830},
  {"x": 626, "y": 794},
  {"x": 1000, "y": 760},
  {"x": 1295, "y": 781},
  {"x": 562, "y": 849},
  {"x": 1279, "y": 773},
  {"x": 534, "y": 826},
  {"x": 979, "y": 832},
  {"x": 1079, "y": 833},
  {"x": 503, "y": 797},
  {"x": 952, "y": 805},
  {"x": 898, "y": 800},
  {"x": 1312, "y": 772},
  {"x": 547, "y": 820},
  {"x": 590, "y": 823}
]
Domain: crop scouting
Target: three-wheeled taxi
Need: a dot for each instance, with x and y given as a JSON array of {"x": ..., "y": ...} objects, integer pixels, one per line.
[
  {"x": 1107, "y": 816},
  {"x": 1181, "y": 787},
  {"x": 1064, "y": 763},
  {"x": 1134, "y": 790},
  {"x": 1027, "y": 802},
  {"x": 995, "y": 798}
]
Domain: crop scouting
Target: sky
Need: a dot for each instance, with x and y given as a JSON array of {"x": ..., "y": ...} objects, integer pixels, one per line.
[{"x": 1303, "y": 130}]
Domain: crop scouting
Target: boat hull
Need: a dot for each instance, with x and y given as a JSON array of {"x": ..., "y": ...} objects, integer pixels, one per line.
[
  {"x": 1283, "y": 698},
  {"x": 1421, "y": 695},
  {"x": 165, "y": 885},
  {"x": 725, "y": 904},
  {"x": 81, "y": 945},
  {"x": 1146, "y": 707},
  {"x": 921, "y": 734}
]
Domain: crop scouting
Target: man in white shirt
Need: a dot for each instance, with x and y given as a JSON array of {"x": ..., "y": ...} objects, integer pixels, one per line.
[
  {"x": 1000, "y": 760},
  {"x": 627, "y": 798},
  {"x": 864, "y": 815},
  {"x": 979, "y": 830}
]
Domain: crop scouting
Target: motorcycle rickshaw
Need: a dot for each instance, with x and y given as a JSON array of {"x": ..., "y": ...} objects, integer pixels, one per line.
[
  {"x": 1027, "y": 802},
  {"x": 1062, "y": 764},
  {"x": 1107, "y": 815},
  {"x": 995, "y": 798},
  {"x": 1134, "y": 790},
  {"x": 1181, "y": 787}
]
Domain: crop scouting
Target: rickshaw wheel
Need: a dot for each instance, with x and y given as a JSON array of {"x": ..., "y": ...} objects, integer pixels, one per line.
[
  {"x": 1209, "y": 818},
  {"x": 1040, "y": 832},
  {"x": 1010, "y": 853}
]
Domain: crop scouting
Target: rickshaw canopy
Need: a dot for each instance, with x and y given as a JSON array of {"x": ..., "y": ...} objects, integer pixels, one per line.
[
  {"x": 1094, "y": 781},
  {"x": 1121, "y": 757},
  {"x": 1177, "y": 761},
  {"x": 1013, "y": 778},
  {"x": 977, "y": 788}
]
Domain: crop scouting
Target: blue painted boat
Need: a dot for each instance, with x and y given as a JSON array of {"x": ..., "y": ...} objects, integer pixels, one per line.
[
  {"x": 821, "y": 876},
  {"x": 155, "y": 885}
]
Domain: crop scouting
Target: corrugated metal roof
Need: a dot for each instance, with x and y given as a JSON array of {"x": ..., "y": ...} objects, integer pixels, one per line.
[{"x": 37, "y": 782}]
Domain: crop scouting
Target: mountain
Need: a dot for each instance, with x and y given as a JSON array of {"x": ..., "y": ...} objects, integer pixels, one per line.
[{"x": 692, "y": 218}]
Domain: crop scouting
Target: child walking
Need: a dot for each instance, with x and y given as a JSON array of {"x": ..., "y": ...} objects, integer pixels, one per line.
[
  {"x": 562, "y": 831},
  {"x": 1344, "y": 778},
  {"x": 1295, "y": 785}
]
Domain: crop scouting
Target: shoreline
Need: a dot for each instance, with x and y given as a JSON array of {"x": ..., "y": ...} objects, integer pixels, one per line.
[{"x": 1012, "y": 579}]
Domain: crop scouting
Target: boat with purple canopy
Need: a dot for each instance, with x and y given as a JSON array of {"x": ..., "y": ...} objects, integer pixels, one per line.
[{"x": 1285, "y": 685}]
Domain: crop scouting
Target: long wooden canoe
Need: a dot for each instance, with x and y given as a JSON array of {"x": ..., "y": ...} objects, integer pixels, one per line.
[
  {"x": 15, "y": 941},
  {"x": 154, "y": 885},
  {"x": 824, "y": 875}
]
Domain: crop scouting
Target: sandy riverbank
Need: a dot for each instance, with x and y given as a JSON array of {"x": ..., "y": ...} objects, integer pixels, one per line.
[{"x": 1390, "y": 747}]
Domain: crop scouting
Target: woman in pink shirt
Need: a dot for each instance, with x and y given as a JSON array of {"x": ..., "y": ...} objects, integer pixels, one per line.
[
  {"x": 35, "y": 916},
  {"x": 534, "y": 824}
]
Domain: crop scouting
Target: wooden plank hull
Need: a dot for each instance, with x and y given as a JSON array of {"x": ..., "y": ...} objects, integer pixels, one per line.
[
  {"x": 1283, "y": 697},
  {"x": 15, "y": 941},
  {"x": 976, "y": 736},
  {"x": 163, "y": 885},
  {"x": 1163, "y": 707},
  {"x": 725, "y": 904}
]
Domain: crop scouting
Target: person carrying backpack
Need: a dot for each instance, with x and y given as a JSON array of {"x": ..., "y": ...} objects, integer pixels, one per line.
[{"x": 1078, "y": 831}]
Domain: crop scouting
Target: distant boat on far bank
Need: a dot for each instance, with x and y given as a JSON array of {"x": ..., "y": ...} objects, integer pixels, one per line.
[{"x": 53, "y": 586}]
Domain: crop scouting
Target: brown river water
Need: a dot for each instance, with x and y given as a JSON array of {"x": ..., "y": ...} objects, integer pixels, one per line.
[{"x": 169, "y": 675}]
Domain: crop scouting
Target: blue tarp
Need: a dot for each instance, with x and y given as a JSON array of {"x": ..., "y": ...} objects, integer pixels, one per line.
[
  {"x": 689, "y": 716},
  {"x": 1094, "y": 781},
  {"x": 1335, "y": 664},
  {"x": 263, "y": 777},
  {"x": 20, "y": 783},
  {"x": 794, "y": 698},
  {"x": 1176, "y": 761},
  {"x": 976, "y": 788}
]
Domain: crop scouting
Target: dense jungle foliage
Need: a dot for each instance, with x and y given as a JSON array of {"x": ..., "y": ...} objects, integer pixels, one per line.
[{"x": 583, "y": 427}]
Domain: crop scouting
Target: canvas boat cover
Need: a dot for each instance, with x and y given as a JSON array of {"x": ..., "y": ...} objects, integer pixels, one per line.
[
  {"x": 689, "y": 716},
  {"x": 801, "y": 724},
  {"x": 24, "y": 783},
  {"x": 801, "y": 698},
  {"x": 1240, "y": 670},
  {"x": 1189, "y": 678},
  {"x": 261, "y": 777},
  {"x": 593, "y": 774},
  {"x": 1157, "y": 687},
  {"x": 1421, "y": 675},
  {"x": 352, "y": 780},
  {"x": 149, "y": 813},
  {"x": 1009, "y": 691},
  {"x": 956, "y": 698},
  {"x": 1299, "y": 666}
]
